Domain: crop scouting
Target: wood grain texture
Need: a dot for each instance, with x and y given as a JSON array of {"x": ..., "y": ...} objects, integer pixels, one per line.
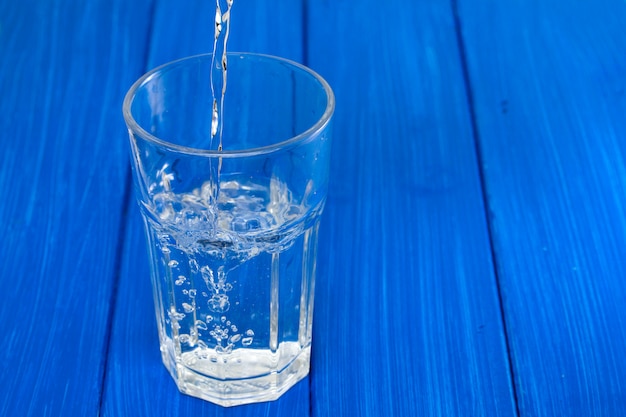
[
  {"x": 137, "y": 383},
  {"x": 550, "y": 99},
  {"x": 62, "y": 174},
  {"x": 408, "y": 319},
  {"x": 181, "y": 30},
  {"x": 407, "y": 314}
]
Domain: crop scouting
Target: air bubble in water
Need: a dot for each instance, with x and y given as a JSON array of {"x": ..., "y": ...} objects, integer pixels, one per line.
[
  {"x": 207, "y": 273},
  {"x": 201, "y": 354},
  {"x": 181, "y": 279},
  {"x": 193, "y": 265},
  {"x": 175, "y": 315},
  {"x": 247, "y": 341},
  {"x": 219, "y": 303},
  {"x": 224, "y": 349},
  {"x": 173, "y": 263},
  {"x": 188, "y": 308}
]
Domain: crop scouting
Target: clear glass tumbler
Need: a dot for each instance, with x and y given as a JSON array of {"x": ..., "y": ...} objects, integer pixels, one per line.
[{"x": 232, "y": 232}]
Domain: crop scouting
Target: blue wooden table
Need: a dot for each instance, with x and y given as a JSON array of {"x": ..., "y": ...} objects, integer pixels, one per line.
[{"x": 472, "y": 253}]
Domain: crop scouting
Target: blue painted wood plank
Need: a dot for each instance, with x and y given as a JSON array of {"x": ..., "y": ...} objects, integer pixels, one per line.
[
  {"x": 407, "y": 313},
  {"x": 137, "y": 383},
  {"x": 550, "y": 99},
  {"x": 62, "y": 174},
  {"x": 257, "y": 26}
]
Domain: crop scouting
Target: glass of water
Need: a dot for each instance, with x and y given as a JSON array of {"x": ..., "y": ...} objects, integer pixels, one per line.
[{"x": 231, "y": 217}]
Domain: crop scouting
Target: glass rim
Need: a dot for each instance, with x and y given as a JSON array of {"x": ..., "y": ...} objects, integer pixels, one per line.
[{"x": 309, "y": 133}]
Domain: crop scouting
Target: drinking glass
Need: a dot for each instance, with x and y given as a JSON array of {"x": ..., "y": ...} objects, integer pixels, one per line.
[{"x": 232, "y": 230}]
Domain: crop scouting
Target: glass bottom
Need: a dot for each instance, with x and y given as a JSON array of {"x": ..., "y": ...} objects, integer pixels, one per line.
[{"x": 201, "y": 379}]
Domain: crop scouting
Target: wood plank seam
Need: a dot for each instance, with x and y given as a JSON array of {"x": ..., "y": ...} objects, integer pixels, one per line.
[
  {"x": 305, "y": 31},
  {"x": 127, "y": 200},
  {"x": 458, "y": 27},
  {"x": 117, "y": 268}
]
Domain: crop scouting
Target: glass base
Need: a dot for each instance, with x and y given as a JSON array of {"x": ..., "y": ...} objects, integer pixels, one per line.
[{"x": 239, "y": 391}]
